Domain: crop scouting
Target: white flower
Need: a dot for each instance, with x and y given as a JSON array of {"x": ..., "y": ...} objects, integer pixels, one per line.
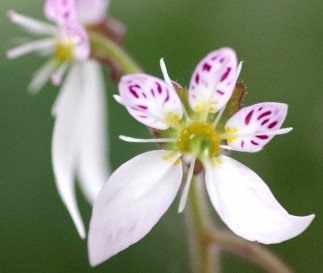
[
  {"x": 140, "y": 191},
  {"x": 79, "y": 136}
]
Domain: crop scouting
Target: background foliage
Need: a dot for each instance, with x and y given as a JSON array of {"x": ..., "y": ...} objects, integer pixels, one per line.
[{"x": 281, "y": 43}]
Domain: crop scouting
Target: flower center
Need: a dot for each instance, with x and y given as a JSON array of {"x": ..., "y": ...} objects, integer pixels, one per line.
[
  {"x": 200, "y": 139},
  {"x": 64, "y": 49}
]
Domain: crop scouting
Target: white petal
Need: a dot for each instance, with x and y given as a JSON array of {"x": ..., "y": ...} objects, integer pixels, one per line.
[
  {"x": 213, "y": 81},
  {"x": 246, "y": 204},
  {"x": 32, "y": 25},
  {"x": 35, "y": 46},
  {"x": 254, "y": 126},
  {"x": 91, "y": 11},
  {"x": 60, "y": 10},
  {"x": 150, "y": 100},
  {"x": 65, "y": 144},
  {"x": 93, "y": 167},
  {"x": 133, "y": 200}
]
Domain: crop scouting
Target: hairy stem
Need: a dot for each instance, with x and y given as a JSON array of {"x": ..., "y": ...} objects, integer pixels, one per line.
[
  {"x": 103, "y": 47},
  {"x": 253, "y": 252}
]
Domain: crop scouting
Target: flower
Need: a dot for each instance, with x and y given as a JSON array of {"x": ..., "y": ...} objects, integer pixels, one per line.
[
  {"x": 140, "y": 191},
  {"x": 79, "y": 135}
]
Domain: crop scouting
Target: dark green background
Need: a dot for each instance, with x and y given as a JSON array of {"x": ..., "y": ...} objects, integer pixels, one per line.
[{"x": 281, "y": 44}]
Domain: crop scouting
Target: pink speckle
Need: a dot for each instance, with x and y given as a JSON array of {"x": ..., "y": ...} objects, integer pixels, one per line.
[
  {"x": 221, "y": 60},
  {"x": 248, "y": 117},
  {"x": 273, "y": 124},
  {"x": 132, "y": 91},
  {"x": 214, "y": 57},
  {"x": 144, "y": 107},
  {"x": 226, "y": 74},
  {"x": 167, "y": 96},
  {"x": 264, "y": 122},
  {"x": 206, "y": 67},
  {"x": 260, "y": 109},
  {"x": 152, "y": 92},
  {"x": 242, "y": 143},
  {"x": 220, "y": 92},
  {"x": 197, "y": 78},
  {"x": 159, "y": 88},
  {"x": 263, "y": 137},
  {"x": 264, "y": 114},
  {"x": 254, "y": 143},
  {"x": 144, "y": 95}
]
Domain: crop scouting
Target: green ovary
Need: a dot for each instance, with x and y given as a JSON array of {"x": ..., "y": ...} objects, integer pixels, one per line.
[
  {"x": 199, "y": 139},
  {"x": 64, "y": 50}
]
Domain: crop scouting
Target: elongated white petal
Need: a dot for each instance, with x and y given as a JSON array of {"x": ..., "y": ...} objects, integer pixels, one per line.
[
  {"x": 60, "y": 10},
  {"x": 213, "y": 81},
  {"x": 65, "y": 143},
  {"x": 32, "y": 25},
  {"x": 35, "y": 46},
  {"x": 91, "y": 11},
  {"x": 121, "y": 215},
  {"x": 254, "y": 126},
  {"x": 150, "y": 100},
  {"x": 93, "y": 168},
  {"x": 247, "y": 206}
]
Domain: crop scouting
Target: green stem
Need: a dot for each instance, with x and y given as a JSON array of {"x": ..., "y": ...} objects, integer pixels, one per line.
[
  {"x": 253, "y": 252},
  {"x": 204, "y": 259},
  {"x": 103, "y": 47}
]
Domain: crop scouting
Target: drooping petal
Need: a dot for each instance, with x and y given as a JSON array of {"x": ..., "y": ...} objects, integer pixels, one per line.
[
  {"x": 92, "y": 167},
  {"x": 65, "y": 144},
  {"x": 60, "y": 10},
  {"x": 213, "y": 81},
  {"x": 150, "y": 100},
  {"x": 73, "y": 31},
  {"x": 247, "y": 206},
  {"x": 254, "y": 126},
  {"x": 91, "y": 11},
  {"x": 132, "y": 201}
]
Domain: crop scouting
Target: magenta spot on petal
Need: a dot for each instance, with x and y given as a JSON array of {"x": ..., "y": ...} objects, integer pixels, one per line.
[
  {"x": 159, "y": 88},
  {"x": 248, "y": 117},
  {"x": 144, "y": 95},
  {"x": 242, "y": 143},
  {"x": 264, "y": 122},
  {"x": 152, "y": 92},
  {"x": 142, "y": 116},
  {"x": 144, "y": 107},
  {"x": 260, "y": 109},
  {"x": 273, "y": 124},
  {"x": 264, "y": 114},
  {"x": 197, "y": 78},
  {"x": 167, "y": 96},
  {"x": 206, "y": 67},
  {"x": 226, "y": 74},
  {"x": 132, "y": 91},
  {"x": 220, "y": 92},
  {"x": 214, "y": 57},
  {"x": 254, "y": 143},
  {"x": 221, "y": 60},
  {"x": 263, "y": 137}
]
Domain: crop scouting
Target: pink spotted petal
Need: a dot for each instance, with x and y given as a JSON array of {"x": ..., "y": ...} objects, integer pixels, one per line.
[
  {"x": 91, "y": 11},
  {"x": 60, "y": 10},
  {"x": 255, "y": 124},
  {"x": 213, "y": 80},
  {"x": 247, "y": 206},
  {"x": 149, "y": 100},
  {"x": 132, "y": 201},
  {"x": 76, "y": 32}
]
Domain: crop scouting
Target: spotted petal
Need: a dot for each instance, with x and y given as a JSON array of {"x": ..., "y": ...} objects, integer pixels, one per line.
[
  {"x": 247, "y": 206},
  {"x": 150, "y": 100},
  {"x": 254, "y": 126},
  {"x": 60, "y": 10},
  {"x": 91, "y": 11},
  {"x": 133, "y": 200},
  {"x": 213, "y": 81}
]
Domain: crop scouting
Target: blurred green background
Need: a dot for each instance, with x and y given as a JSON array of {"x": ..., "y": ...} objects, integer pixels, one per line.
[{"x": 281, "y": 44}]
